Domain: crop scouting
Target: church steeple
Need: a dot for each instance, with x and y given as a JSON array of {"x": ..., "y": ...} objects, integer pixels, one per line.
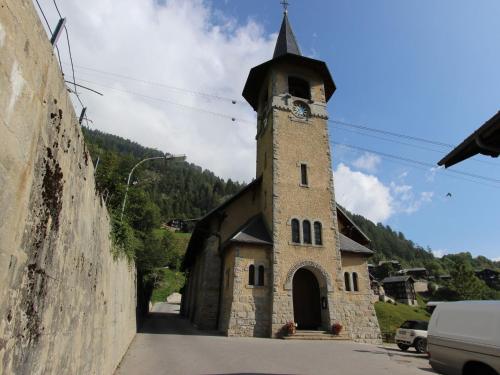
[{"x": 286, "y": 40}]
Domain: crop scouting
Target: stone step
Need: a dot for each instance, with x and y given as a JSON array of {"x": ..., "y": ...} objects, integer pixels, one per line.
[{"x": 315, "y": 335}]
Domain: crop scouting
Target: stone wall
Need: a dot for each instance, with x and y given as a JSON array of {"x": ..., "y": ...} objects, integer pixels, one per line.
[
  {"x": 247, "y": 307},
  {"x": 67, "y": 306}
]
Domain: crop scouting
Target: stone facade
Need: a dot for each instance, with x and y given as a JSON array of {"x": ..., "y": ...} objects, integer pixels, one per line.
[
  {"x": 67, "y": 305},
  {"x": 285, "y": 141},
  {"x": 246, "y": 307}
]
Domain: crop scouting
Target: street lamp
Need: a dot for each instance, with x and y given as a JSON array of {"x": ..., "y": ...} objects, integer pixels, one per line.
[{"x": 165, "y": 157}]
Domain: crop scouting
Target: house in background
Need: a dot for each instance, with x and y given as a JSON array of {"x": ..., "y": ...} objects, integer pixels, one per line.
[
  {"x": 418, "y": 273},
  {"x": 401, "y": 288},
  {"x": 490, "y": 277}
]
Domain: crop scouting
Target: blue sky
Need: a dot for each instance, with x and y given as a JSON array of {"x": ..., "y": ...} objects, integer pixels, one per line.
[
  {"x": 428, "y": 69},
  {"x": 423, "y": 68}
]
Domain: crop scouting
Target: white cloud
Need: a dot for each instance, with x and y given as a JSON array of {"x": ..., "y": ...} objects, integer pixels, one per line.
[
  {"x": 440, "y": 253},
  {"x": 367, "y": 162},
  {"x": 180, "y": 43},
  {"x": 365, "y": 194},
  {"x": 496, "y": 259},
  {"x": 405, "y": 200}
]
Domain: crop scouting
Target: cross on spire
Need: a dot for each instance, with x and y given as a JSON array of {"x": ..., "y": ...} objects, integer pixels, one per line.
[{"x": 285, "y": 5}]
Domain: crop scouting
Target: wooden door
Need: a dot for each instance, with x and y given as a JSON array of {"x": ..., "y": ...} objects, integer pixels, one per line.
[{"x": 306, "y": 300}]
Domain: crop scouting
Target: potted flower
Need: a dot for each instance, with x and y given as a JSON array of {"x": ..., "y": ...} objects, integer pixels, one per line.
[
  {"x": 336, "y": 328},
  {"x": 290, "y": 328}
]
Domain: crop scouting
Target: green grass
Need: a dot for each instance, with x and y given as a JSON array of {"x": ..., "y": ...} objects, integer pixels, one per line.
[
  {"x": 181, "y": 242},
  {"x": 172, "y": 282},
  {"x": 390, "y": 316}
]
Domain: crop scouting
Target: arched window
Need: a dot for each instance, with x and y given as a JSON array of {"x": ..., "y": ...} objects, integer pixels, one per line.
[
  {"x": 355, "y": 281},
  {"x": 306, "y": 229},
  {"x": 299, "y": 87},
  {"x": 318, "y": 236},
  {"x": 347, "y": 281},
  {"x": 261, "y": 276},
  {"x": 251, "y": 275},
  {"x": 295, "y": 231}
]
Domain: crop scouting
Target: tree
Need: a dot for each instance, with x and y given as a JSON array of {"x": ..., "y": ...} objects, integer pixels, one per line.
[{"x": 465, "y": 283}]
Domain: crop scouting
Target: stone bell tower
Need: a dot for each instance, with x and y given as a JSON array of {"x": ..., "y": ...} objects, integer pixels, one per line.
[{"x": 290, "y": 94}]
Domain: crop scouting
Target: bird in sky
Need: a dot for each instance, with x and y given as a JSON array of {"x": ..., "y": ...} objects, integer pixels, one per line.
[{"x": 448, "y": 195}]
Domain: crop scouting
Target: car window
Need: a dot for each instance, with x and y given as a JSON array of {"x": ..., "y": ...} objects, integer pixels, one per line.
[
  {"x": 422, "y": 326},
  {"x": 409, "y": 324}
]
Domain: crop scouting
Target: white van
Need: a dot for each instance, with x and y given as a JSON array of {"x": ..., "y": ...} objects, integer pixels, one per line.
[{"x": 464, "y": 338}]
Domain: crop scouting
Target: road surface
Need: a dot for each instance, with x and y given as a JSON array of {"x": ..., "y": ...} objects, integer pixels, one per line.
[{"x": 168, "y": 344}]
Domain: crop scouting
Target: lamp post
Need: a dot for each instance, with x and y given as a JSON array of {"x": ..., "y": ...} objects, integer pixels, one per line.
[{"x": 165, "y": 157}]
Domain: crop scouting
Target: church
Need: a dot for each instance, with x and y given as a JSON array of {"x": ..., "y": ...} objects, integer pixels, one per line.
[{"x": 281, "y": 250}]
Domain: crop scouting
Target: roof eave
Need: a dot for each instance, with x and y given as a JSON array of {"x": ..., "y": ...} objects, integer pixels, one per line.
[
  {"x": 472, "y": 144},
  {"x": 257, "y": 74}
]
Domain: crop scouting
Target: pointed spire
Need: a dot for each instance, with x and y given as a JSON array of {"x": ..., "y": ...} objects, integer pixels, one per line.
[{"x": 286, "y": 40}]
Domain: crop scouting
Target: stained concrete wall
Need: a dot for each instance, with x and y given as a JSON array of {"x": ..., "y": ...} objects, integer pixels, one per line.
[{"x": 66, "y": 305}]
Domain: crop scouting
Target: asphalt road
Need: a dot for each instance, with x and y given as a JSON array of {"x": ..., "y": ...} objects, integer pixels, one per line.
[{"x": 168, "y": 344}]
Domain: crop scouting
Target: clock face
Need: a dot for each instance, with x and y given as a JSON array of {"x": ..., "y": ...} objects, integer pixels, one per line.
[{"x": 300, "y": 109}]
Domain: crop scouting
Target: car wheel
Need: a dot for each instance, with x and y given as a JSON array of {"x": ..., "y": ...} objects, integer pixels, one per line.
[
  {"x": 421, "y": 345},
  {"x": 403, "y": 347}
]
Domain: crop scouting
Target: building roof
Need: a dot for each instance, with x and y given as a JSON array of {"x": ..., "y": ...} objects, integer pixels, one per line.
[
  {"x": 351, "y": 246},
  {"x": 388, "y": 261},
  {"x": 254, "y": 231},
  {"x": 396, "y": 279},
  {"x": 286, "y": 40},
  {"x": 201, "y": 227},
  {"x": 415, "y": 269},
  {"x": 344, "y": 214},
  {"x": 233, "y": 198},
  {"x": 485, "y": 140},
  {"x": 286, "y": 50}
]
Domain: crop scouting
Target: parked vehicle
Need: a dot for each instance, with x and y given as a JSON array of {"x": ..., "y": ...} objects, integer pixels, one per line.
[
  {"x": 464, "y": 338},
  {"x": 412, "y": 333}
]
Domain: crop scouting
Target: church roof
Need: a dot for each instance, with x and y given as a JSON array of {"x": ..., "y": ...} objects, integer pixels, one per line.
[
  {"x": 286, "y": 40},
  {"x": 343, "y": 214},
  {"x": 351, "y": 246},
  {"x": 254, "y": 231}
]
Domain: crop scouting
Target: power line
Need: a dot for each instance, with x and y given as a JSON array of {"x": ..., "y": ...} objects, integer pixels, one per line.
[
  {"x": 218, "y": 114},
  {"x": 386, "y": 132},
  {"x": 50, "y": 30},
  {"x": 420, "y": 163},
  {"x": 475, "y": 159},
  {"x": 164, "y": 85}
]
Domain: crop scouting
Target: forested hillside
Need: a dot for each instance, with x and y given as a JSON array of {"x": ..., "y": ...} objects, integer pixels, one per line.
[
  {"x": 389, "y": 244},
  {"x": 178, "y": 189}
]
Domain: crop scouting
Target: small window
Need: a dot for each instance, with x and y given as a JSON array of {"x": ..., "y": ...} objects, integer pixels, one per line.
[
  {"x": 295, "y": 231},
  {"x": 355, "y": 281},
  {"x": 318, "y": 236},
  {"x": 251, "y": 275},
  {"x": 227, "y": 278},
  {"x": 261, "y": 276},
  {"x": 306, "y": 228},
  {"x": 299, "y": 87},
  {"x": 303, "y": 174},
  {"x": 347, "y": 281}
]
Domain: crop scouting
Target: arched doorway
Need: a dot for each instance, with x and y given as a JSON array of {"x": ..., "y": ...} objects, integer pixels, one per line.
[{"x": 306, "y": 300}]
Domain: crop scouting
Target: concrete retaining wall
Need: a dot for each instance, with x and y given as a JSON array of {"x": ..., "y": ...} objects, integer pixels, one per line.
[{"x": 66, "y": 305}]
